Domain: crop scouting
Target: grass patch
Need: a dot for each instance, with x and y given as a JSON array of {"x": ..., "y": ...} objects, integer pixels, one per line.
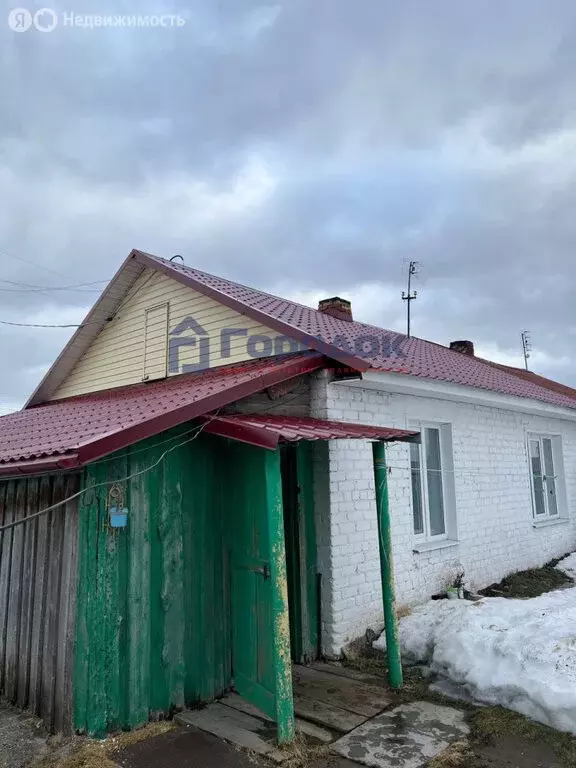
[
  {"x": 458, "y": 755},
  {"x": 302, "y": 752},
  {"x": 531, "y": 583},
  {"x": 90, "y": 754},
  {"x": 84, "y": 752},
  {"x": 496, "y": 721},
  {"x": 128, "y": 738}
]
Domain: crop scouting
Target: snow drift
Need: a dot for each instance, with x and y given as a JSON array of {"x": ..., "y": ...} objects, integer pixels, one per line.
[{"x": 520, "y": 654}]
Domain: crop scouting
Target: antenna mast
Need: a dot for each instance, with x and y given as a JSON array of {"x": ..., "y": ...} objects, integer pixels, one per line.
[
  {"x": 526, "y": 347},
  {"x": 410, "y": 296}
]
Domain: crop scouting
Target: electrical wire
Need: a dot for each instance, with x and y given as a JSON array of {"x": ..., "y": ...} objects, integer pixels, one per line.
[
  {"x": 177, "y": 437},
  {"x": 52, "y": 287},
  {"x": 24, "y": 288},
  {"x": 46, "y": 325},
  {"x": 472, "y": 472},
  {"x": 194, "y": 434},
  {"x": 131, "y": 296},
  {"x": 78, "y": 325},
  {"x": 32, "y": 263},
  {"x": 116, "y": 481},
  {"x": 109, "y": 459}
]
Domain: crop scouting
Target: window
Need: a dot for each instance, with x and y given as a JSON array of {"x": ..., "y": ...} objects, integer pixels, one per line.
[
  {"x": 546, "y": 477},
  {"x": 432, "y": 483}
]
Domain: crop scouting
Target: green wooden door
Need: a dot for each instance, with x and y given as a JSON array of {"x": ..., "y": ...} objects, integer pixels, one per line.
[{"x": 251, "y": 582}]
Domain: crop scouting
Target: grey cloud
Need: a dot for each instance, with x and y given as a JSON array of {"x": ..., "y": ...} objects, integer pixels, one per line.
[{"x": 390, "y": 131}]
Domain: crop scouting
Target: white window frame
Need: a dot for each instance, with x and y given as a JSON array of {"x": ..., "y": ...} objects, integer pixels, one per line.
[
  {"x": 549, "y": 516},
  {"x": 426, "y": 539}
]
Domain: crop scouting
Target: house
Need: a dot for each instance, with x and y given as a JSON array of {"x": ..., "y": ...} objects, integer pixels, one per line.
[{"x": 214, "y": 446}]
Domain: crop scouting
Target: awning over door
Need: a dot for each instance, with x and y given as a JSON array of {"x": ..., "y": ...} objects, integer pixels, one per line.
[
  {"x": 267, "y": 430},
  {"x": 65, "y": 434}
]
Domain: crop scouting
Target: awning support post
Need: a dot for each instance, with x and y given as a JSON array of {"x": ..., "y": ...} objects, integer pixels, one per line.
[
  {"x": 387, "y": 565},
  {"x": 280, "y": 611}
]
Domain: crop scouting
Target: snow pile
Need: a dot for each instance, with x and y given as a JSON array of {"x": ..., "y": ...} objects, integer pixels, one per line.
[
  {"x": 520, "y": 654},
  {"x": 568, "y": 565}
]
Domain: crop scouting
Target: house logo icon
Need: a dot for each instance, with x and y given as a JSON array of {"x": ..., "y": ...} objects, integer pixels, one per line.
[{"x": 176, "y": 341}]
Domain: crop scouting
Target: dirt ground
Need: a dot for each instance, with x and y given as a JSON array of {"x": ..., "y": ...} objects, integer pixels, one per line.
[
  {"x": 532, "y": 583},
  {"x": 498, "y": 739},
  {"x": 24, "y": 743},
  {"x": 22, "y": 738}
]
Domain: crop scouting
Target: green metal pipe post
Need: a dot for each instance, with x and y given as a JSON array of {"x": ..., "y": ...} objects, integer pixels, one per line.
[
  {"x": 280, "y": 611},
  {"x": 387, "y": 565}
]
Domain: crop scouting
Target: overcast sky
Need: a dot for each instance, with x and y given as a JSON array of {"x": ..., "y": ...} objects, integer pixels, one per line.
[{"x": 306, "y": 148}]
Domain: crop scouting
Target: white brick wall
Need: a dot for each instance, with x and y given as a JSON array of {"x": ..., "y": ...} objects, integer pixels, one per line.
[{"x": 493, "y": 504}]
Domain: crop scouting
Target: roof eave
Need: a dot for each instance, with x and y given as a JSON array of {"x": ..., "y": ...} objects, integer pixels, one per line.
[
  {"x": 442, "y": 389},
  {"x": 105, "y": 307},
  {"x": 40, "y": 466},
  {"x": 241, "y": 428},
  {"x": 258, "y": 436},
  {"x": 122, "y": 438}
]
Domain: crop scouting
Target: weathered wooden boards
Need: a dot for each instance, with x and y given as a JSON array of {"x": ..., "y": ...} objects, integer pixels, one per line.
[{"x": 38, "y": 576}]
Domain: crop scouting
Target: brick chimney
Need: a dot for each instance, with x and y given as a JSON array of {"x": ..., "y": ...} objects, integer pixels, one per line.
[
  {"x": 464, "y": 347},
  {"x": 336, "y": 307}
]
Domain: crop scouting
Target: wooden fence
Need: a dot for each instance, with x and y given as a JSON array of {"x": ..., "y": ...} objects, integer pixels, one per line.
[{"x": 38, "y": 579}]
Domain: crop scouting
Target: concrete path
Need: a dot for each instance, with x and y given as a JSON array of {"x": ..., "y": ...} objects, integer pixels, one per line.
[
  {"x": 329, "y": 700},
  {"x": 239, "y": 728},
  {"x": 405, "y": 737}
]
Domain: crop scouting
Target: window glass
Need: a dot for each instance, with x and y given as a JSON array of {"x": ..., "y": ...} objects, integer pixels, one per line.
[
  {"x": 550, "y": 476},
  {"x": 434, "y": 481},
  {"x": 417, "y": 506},
  {"x": 537, "y": 479}
]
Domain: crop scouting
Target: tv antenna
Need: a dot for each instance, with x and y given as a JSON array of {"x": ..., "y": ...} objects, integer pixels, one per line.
[
  {"x": 410, "y": 296},
  {"x": 526, "y": 347}
]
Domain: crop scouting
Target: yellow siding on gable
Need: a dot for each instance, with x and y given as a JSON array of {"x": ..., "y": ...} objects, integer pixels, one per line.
[{"x": 201, "y": 332}]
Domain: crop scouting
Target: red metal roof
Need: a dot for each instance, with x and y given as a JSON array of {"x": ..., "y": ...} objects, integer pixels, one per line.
[
  {"x": 69, "y": 433},
  {"x": 266, "y": 430},
  {"x": 542, "y": 381},
  {"x": 342, "y": 339},
  {"x": 354, "y": 344}
]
